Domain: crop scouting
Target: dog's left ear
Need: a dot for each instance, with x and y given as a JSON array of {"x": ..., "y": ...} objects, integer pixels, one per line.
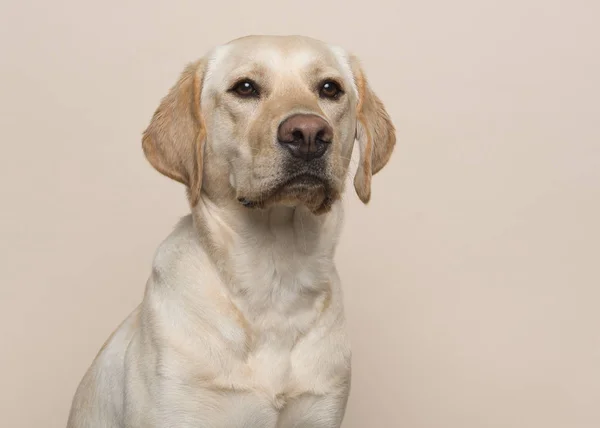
[
  {"x": 174, "y": 141},
  {"x": 375, "y": 133}
]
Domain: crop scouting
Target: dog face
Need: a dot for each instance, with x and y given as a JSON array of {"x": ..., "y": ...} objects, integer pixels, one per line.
[{"x": 270, "y": 120}]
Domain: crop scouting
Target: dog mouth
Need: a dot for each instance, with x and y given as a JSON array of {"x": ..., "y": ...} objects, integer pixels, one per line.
[
  {"x": 304, "y": 181},
  {"x": 313, "y": 191}
]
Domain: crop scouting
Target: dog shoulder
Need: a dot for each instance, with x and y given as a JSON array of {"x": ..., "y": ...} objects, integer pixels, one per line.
[{"x": 177, "y": 253}]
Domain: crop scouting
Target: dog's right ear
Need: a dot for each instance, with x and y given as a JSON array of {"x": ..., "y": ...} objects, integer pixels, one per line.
[{"x": 174, "y": 141}]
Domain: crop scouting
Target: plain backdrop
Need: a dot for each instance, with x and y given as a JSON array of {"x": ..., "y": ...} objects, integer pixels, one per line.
[{"x": 472, "y": 280}]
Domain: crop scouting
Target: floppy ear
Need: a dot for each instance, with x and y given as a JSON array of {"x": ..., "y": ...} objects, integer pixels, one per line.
[
  {"x": 174, "y": 141},
  {"x": 375, "y": 133}
]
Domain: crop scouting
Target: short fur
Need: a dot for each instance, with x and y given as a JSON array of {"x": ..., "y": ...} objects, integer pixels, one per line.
[{"x": 242, "y": 322}]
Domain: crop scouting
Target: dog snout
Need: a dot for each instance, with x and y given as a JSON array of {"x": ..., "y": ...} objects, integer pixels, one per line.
[{"x": 306, "y": 136}]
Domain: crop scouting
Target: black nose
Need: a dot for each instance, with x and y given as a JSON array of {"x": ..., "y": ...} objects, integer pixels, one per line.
[{"x": 306, "y": 136}]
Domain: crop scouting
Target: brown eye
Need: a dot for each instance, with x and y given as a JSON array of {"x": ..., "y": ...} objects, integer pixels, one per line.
[
  {"x": 245, "y": 88},
  {"x": 330, "y": 89}
]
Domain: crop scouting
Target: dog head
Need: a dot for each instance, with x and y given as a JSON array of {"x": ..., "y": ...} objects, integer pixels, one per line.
[{"x": 269, "y": 120}]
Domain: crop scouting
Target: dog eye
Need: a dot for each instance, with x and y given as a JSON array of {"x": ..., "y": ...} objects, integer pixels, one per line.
[
  {"x": 245, "y": 88},
  {"x": 330, "y": 89}
]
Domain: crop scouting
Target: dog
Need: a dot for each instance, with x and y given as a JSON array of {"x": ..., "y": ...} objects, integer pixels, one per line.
[{"x": 242, "y": 321}]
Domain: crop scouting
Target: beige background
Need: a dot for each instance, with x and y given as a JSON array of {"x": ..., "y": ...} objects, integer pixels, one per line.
[{"x": 472, "y": 280}]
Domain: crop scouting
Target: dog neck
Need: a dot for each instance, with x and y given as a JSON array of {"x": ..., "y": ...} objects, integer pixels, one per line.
[{"x": 262, "y": 254}]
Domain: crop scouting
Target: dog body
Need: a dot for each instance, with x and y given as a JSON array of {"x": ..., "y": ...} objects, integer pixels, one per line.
[{"x": 242, "y": 321}]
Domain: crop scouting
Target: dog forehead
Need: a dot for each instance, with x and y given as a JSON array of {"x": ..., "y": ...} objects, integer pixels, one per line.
[{"x": 279, "y": 55}]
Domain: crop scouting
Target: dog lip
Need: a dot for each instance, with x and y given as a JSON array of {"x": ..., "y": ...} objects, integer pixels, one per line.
[
  {"x": 304, "y": 179},
  {"x": 247, "y": 202}
]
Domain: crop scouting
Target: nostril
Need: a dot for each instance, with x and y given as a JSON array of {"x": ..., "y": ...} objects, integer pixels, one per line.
[
  {"x": 321, "y": 137},
  {"x": 297, "y": 135}
]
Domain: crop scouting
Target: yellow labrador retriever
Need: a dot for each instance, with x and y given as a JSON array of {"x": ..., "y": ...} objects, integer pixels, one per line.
[{"x": 242, "y": 324}]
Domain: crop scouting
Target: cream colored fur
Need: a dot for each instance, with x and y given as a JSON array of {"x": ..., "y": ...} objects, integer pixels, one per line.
[{"x": 242, "y": 322}]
